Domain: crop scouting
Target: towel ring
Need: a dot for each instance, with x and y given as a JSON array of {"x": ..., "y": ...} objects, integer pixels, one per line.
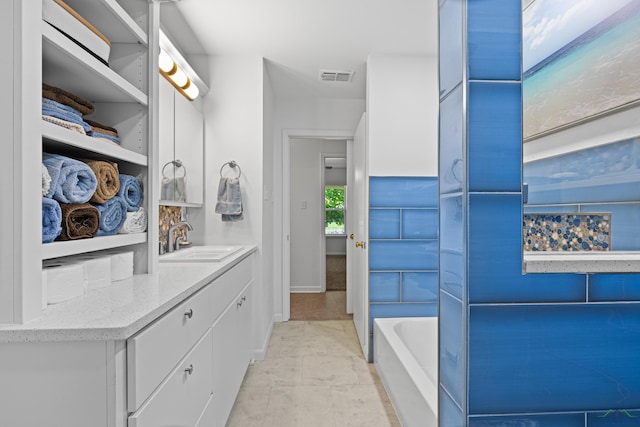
[
  {"x": 176, "y": 165},
  {"x": 232, "y": 164}
]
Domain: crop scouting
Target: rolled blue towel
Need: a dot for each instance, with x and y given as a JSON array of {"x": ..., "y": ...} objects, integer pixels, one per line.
[
  {"x": 131, "y": 192},
  {"x": 51, "y": 220},
  {"x": 113, "y": 213},
  {"x": 72, "y": 181}
]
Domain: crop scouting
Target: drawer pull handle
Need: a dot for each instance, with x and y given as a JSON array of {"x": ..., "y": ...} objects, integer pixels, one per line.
[
  {"x": 189, "y": 313},
  {"x": 239, "y": 304},
  {"x": 244, "y": 298},
  {"x": 189, "y": 370}
]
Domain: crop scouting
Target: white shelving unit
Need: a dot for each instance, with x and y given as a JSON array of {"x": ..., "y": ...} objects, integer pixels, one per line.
[{"x": 38, "y": 53}]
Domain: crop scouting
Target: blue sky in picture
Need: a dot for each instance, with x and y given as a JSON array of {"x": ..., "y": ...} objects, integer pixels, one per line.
[{"x": 549, "y": 25}]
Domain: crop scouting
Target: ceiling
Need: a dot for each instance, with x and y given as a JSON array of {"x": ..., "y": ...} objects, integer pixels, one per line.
[{"x": 298, "y": 38}]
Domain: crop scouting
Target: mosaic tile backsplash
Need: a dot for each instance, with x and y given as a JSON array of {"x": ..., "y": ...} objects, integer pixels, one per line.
[
  {"x": 567, "y": 232},
  {"x": 170, "y": 215}
]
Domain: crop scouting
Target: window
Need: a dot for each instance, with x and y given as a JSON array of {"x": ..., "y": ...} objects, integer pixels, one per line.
[{"x": 334, "y": 214}]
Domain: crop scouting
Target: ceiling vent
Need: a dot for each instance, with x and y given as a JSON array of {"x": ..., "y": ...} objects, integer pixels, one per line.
[{"x": 336, "y": 76}]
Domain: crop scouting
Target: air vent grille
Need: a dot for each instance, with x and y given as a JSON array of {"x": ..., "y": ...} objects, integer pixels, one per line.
[{"x": 336, "y": 76}]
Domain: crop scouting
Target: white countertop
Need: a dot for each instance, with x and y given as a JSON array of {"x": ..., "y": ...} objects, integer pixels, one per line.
[
  {"x": 582, "y": 262},
  {"x": 122, "y": 309}
]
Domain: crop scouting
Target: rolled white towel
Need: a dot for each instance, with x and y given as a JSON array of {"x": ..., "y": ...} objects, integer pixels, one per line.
[
  {"x": 46, "y": 180},
  {"x": 136, "y": 222}
]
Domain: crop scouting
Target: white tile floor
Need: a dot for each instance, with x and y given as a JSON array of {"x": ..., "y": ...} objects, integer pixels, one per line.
[{"x": 314, "y": 375}]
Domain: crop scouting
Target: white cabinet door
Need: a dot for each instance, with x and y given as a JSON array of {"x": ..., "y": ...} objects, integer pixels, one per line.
[
  {"x": 232, "y": 354},
  {"x": 181, "y": 399}
]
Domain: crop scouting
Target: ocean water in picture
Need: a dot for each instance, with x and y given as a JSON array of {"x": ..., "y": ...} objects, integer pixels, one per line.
[{"x": 596, "y": 72}]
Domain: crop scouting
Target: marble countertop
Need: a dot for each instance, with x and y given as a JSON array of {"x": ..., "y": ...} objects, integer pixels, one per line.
[
  {"x": 582, "y": 262},
  {"x": 122, "y": 309}
]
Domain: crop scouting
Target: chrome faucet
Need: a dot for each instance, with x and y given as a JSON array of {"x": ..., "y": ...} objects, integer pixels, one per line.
[{"x": 171, "y": 243}]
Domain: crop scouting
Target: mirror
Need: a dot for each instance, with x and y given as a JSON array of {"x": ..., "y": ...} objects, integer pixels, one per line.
[
  {"x": 581, "y": 100},
  {"x": 181, "y": 151}
]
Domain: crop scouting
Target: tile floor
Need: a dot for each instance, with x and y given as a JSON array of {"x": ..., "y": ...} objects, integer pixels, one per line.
[
  {"x": 330, "y": 305},
  {"x": 314, "y": 374}
]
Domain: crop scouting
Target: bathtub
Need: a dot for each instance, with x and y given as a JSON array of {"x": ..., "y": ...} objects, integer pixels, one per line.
[{"x": 405, "y": 352}]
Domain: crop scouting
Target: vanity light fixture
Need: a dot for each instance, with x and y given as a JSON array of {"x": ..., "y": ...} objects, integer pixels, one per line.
[{"x": 176, "y": 76}]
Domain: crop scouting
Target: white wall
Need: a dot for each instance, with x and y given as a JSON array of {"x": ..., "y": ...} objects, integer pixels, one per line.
[
  {"x": 307, "y": 114},
  {"x": 307, "y": 204},
  {"x": 402, "y": 108},
  {"x": 234, "y": 130}
]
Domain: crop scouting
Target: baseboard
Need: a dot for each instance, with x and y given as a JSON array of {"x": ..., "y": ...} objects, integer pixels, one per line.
[
  {"x": 261, "y": 353},
  {"x": 339, "y": 253},
  {"x": 305, "y": 289}
]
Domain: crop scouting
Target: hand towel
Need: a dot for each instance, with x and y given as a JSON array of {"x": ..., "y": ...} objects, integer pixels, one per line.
[
  {"x": 130, "y": 192},
  {"x": 46, "y": 180},
  {"x": 79, "y": 221},
  {"x": 64, "y": 97},
  {"x": 65, "y": 124},
  {"x": 229, "y": 202},
  {"x": 108, "y": 180},
  {"x": 63, "y": 112},
  {"x": 51, "y": 220},
  {"x": 136, "y": 222},
  {"x": 113, "y": 213},
  {"x": 72, "y": 181}
]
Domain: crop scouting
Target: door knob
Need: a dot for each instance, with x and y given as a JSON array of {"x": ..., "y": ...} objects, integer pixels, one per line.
[
  {"x": 351, "y": 236},
  {"x": 360, "y": 245}
]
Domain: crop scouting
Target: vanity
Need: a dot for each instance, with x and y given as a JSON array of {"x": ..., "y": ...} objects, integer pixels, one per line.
[{"x": 170, "y": 348}]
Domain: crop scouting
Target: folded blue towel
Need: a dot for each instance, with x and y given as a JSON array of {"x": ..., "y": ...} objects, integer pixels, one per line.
[
  {"x": 51, "y": 220},
  {"x": 63, "y": 112},
  {"x": 113, "y": 213},
  {"x": 229, "y": 202},
  {"x": 131, "y": 192},
  {"x": 72, "y": 181}
]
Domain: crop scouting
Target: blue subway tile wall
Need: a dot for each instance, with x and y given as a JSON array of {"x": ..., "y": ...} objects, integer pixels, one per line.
[
  {"x": 449, "y": 414},
  {"x": 548, "y": 358},
  {"x": 549, "y": 420},
  {"x": 451, "y": 173},
  {"x": 614, "y": 287},
  {"x": 452, "y": 347},
  {"x": 614, "y": 418},
  {"x": 403, "y": 247}
]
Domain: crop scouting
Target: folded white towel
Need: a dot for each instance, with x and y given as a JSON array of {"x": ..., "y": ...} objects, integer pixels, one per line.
[
  {"x": 64, "y": 123},
  {"x": 136, "y": 222},
  {"x": 46, "y": 180},
  {"x": 121, "y": 265},
  {"x": 98, "y": 268}
]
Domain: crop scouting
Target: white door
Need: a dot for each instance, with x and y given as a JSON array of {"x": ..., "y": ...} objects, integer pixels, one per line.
[{"x": 358, "y": 261}]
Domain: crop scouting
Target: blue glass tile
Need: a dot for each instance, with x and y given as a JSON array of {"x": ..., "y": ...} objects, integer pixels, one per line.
[
  {"x": 403, "y": 192},
  {"x": 614, "y": 418},
  {"x": 451, "y": 167},
  {"x": 553, "y": 358},
  {"x": 495, "y": 136},
  {"x": 494, "y": 30},
  {"x": 495, "y": 257},
  {"x": 614, "y": 287},
  {"x": 550, "y": 209},
  {"x": 450, "y": 45},
  {"x": 384, "y": 223},
  {"x": 420, "y": 287},
  {"x": 384, "y": 287},
  {"x": 551, "y": 420},
  {"x": 606, "y": 173},
  {"x": 403, "y": 255},
  {"x": 449, "y": 414},
  {"x": 420, "y": 224},
  {"x": 452, "y": 265},
  {"x": 401, "y": 310},
  {"x": 624, "y": 224},
  {"x": 451, "y": 346}
]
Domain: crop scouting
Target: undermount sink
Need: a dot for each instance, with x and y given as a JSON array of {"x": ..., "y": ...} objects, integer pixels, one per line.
[{"x": 201, "y": 254}]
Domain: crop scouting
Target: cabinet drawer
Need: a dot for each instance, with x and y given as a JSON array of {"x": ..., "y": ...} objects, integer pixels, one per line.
[
  {"x": 181, "y": 399},
  {"x": 154, "y": 352},
  {"x": 229, "y": 285}
]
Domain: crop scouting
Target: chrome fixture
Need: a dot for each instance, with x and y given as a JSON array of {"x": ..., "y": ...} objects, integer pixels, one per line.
[{"x": 174, "y": 244}]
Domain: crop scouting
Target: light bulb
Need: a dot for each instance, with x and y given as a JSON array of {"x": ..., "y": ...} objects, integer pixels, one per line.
[
  {"x": 165, "y": 62},
  {"x": 192, "y": 91},
  {"x": 179, "y": 77}
]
